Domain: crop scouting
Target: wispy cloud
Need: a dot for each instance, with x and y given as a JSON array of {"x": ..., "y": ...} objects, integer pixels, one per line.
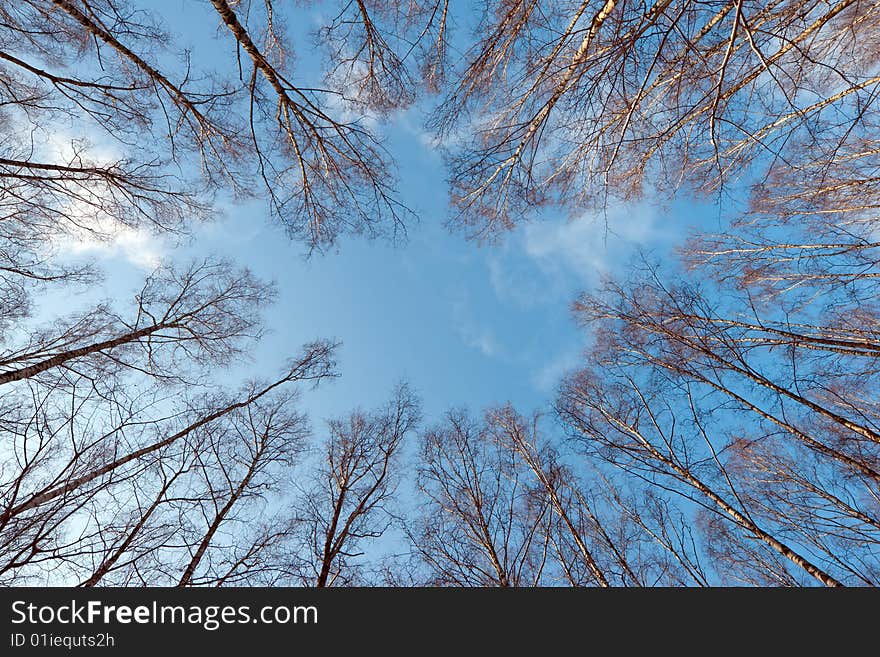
[
  {"x": 428, "y": 141},
  {"x": 482, "y": 340},
  {"x": 590, "y": 246},
  {"x": 474, "y": 333},
  {"x": 548, "y": 261},
  {"x": 517, "y": 280},
  {"x": 549, "y": 374},
  {"x": 137, "y": 246},
  {"x": 100, "y": 236}
]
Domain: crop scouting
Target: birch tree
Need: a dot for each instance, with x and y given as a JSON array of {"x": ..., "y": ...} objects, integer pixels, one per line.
[
  {"x": 349, "y": 502},
  {"x": 751, "y": 420},
  {"x": 578, "y": 104}
]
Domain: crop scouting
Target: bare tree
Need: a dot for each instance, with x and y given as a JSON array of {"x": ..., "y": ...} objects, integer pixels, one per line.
[
  {"x": 480, "y": 524},
  {"x": 123, "y": 461},
  {"x": 578, "y": 102},
  {"x": 657, "y": 400},
  {"x": 348, "y": 506},
  {"x": 725, "y": 419},
  {"x": 95, "y": 66},
  {"x": 96, "y": 411},
  {"x": 602, "y": 536},
  {"x": 502, "y": 507}
]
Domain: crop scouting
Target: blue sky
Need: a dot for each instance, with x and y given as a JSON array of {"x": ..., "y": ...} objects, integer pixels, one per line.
[{"x": 466, "y": 325}]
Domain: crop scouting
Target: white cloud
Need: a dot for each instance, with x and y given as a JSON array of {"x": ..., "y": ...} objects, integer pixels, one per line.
[
  {"x": 589, "y": 247},
  {"x": 62, "y": 146},
  {"x": 100, "y": 236},
  {"x": 483, "y": 340},
  {"x": 344, "y": 104},
  {"x": 139, "y": 247},
  {"x": 548, "y": 261},
  {"x": 473, "y": 333},
  {"x": 411, "y": 123},
  {"x": 548, "y": 376}
]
